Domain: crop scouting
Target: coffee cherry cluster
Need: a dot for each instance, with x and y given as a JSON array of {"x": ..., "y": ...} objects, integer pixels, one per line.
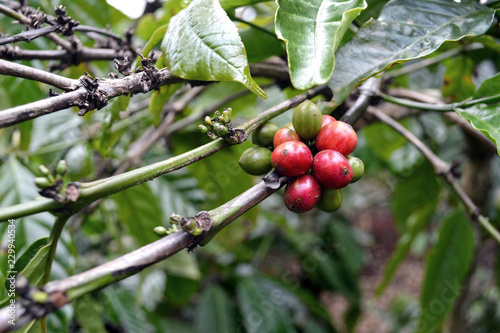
[{"x": 314, "y": 149}]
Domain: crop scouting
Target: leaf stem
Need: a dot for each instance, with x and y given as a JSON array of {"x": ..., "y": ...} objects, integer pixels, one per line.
[{"x": 435, "y": 107}]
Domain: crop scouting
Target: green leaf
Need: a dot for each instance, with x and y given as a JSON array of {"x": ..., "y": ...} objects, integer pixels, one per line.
[
  {"x": 215, "y": 312},
  {"x": 139, "y": 210},
  {"x": 88, "y": 314},
  {"x": 458, "y": 83},
  {"x": 489, "y": 87},
  {"x": 446, "y": 267},
  {"x": 312, "y": 31},
  {"x": 121, "y": 306},
  {"x": 417, "y": 222},
  {"x": 485, "y": 118},
  {"x": 406, "y": 201},
  {"x": 261, "y": 45},
  {"x": 237, "y": 3},
  {"x": 159, "y": 98},
  {"x": 260, "y": 313},
  {"x": 111, "y": 113},
  {"x": 406, "y": 29},
  {"x": 202, "y": 43}
]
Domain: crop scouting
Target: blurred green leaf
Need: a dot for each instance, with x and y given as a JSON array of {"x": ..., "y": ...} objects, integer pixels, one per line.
[
  {"x": 383, "y": 140},
  {"x": 259, "y": 311},
  {"x": 406, "y": 29},
  {"x": 237, "y": 3},
  {"x": 139, "y": 210},
  {"x": 312, "y": 32},
  {"x": 215, "y": 312},
  {"x": 489, "y": 87},
  {"x": 458, "y": 83},
  {"x": 204, "y": 28},
  {"x": 111, "y": 113},
  {"x": 261, "y": 45},
  {"x": 446, "y": 267},
  {"x": 121, "y": 307},
  {"x": 159, "y": 98},
  {"x": 417, "y": 222},
  {"x": 406, "y": 201},
  {"x": 89, "y": 314},
  {"x": 484, "y": 118}
]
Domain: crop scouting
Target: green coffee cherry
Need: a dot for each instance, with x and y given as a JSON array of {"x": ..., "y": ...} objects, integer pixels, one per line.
[
  {"x": 263, "y": 136},
  {"x": 358, "y": 168},
  {"x": 256, "y": 161},
  {"x": 330, "y": 200},
  {"x": 307, "y": 120}
]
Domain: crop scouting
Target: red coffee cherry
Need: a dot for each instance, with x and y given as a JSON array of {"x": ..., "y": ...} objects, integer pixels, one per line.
[
  {"x": 337, "y": 136},
  {"x": 292, "y": 158},
  {"x": 332, "y": 169},
  {"x": 285, "y": 135},
  {"x": 327, "y": 120},
  {"x": 302, "y": 194}
]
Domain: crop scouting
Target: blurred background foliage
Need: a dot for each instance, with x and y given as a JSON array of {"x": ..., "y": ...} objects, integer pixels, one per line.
[{"x": 271, "y": 270}]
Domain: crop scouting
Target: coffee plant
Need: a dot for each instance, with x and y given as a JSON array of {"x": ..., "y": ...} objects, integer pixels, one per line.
[{"x": 249, "y": 166}]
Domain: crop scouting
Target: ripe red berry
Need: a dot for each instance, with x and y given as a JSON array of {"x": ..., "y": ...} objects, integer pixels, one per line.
[
  {"x": 337, "y": 136},
  {"x": 292, "y": 158},
  {"x": 302, "y": 194},
  {"x": 285, "y": 135},
  {"x": 327, "y": 120},
  {"x": 332, "y": 169}
]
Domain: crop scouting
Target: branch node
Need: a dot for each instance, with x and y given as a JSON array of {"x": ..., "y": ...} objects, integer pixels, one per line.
[
  {"x": 52, "y": 192},
  {"x": 455, "y": 168},
  {"x": 197, "y": 225},
  {"x": 96, "y": 99},
  {"x": 65, "y": 23},
  {"x": 72, "y": 192},
  {"x": 123, "y": 66}
]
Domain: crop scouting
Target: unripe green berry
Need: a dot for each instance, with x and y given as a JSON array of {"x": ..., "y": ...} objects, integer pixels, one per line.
[
  {"x": 221, "y": 130},
  {"x": 42, "y": 182},
  {"x": 44, "y": 170},
  {"x": 160, "y": 231},
  {"x": 203, "y": 129},
  {"x": 61, "y": 168}
]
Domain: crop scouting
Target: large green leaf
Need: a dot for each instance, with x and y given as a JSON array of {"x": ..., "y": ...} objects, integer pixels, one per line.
[
  {"x": 407, "y": 201},
  {"x": 202, "y": 43},
  {"x": 406, "y": 29},
  {"x": 485, "y": 118},
  {"x": 215, "y": 312},
  {"x": 312, "y": 31},
  {"x": 489, "y": 87},
  {"x": 446, "y": 267}
]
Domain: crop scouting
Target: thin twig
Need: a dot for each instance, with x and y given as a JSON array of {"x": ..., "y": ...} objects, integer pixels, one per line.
[
  {"x": 362, "y": 102},
  {"x": 30, "y": 73},
  {"x": 27, "y": 36},
  {"x": 440, "y": 168}
]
